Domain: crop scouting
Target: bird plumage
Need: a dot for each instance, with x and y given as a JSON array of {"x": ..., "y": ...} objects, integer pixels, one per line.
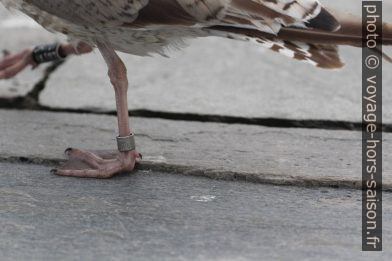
[{"x": 142, "y": 27}]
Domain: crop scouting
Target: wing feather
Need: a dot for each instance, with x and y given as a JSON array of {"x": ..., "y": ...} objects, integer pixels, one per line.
[{"x": 268, "y": 16}]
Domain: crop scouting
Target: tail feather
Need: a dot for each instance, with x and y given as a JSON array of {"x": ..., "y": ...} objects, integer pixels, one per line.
[
  {"x": 352, "y": 25},
  {"x": 315, "y": 46},
  {"x": 324, "y": 21},
  {"x": 321, "y": 55}
]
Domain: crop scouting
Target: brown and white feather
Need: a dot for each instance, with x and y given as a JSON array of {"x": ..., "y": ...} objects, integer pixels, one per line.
[{"x": 143, "y": 27}]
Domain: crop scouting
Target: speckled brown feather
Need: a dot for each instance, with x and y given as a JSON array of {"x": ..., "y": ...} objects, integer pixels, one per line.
[{"x": 142, "y": 27}]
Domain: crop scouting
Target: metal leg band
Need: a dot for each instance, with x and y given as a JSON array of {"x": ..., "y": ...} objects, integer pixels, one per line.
[
  {"x": 47, "y": 53},
  {"x": 126, "y": 143}
]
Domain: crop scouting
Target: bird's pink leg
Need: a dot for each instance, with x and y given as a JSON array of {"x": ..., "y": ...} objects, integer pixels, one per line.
[
  {"x": 90, "y": 164},
  {"x": 12, "y": 64}
]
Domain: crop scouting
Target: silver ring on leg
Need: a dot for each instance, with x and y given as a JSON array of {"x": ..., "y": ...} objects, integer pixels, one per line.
[{"x": 127, "y": 143}]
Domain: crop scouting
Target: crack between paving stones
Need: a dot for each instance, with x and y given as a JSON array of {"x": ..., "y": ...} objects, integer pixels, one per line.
[
  {"x": 31, "y": 102},
  {"x": 258, "y": 178},
  {"x": 193, "y": 117}
]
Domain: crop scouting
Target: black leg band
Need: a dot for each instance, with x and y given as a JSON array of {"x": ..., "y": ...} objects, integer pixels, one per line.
[{"x": 47, "y": 53}]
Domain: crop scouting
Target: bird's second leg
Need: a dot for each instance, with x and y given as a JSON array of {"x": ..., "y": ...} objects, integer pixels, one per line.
[
  {"x": 12, "y": 64},
  {"x": 90, "y": 164}
]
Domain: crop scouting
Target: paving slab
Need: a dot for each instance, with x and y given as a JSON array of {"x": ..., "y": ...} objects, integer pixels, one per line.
[
  {"x": 160, "y": 216},
  {"x": 222, "y": 151},
  {"x": 212, "y": 76}
]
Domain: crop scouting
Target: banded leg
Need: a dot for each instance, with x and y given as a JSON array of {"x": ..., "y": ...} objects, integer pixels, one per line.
[
  {"x": 90, "y": 164},
  {"x": 12, "y": 64}
]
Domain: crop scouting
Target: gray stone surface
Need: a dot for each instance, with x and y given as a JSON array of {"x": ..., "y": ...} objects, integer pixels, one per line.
[
  {"x": 259, "y": 154},
  {"x": 155, "y": 216},
  {"x": 218, "y": 76}
]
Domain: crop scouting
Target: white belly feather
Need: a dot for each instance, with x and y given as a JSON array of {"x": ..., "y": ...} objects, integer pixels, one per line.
[{"x": 140, "y": 42}]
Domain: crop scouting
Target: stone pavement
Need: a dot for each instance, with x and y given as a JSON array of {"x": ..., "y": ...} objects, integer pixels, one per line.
[
  {"x": 160, "y": 216},
  {"x": 254, "y": 153},
  {"x": 153, "y": 214}
]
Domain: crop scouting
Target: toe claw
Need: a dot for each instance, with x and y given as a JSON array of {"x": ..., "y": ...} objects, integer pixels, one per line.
[
  {"x": 67, "y": 151},
  {"x": 6, "y": 52},
  {"x": 53, "y": 171}
]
